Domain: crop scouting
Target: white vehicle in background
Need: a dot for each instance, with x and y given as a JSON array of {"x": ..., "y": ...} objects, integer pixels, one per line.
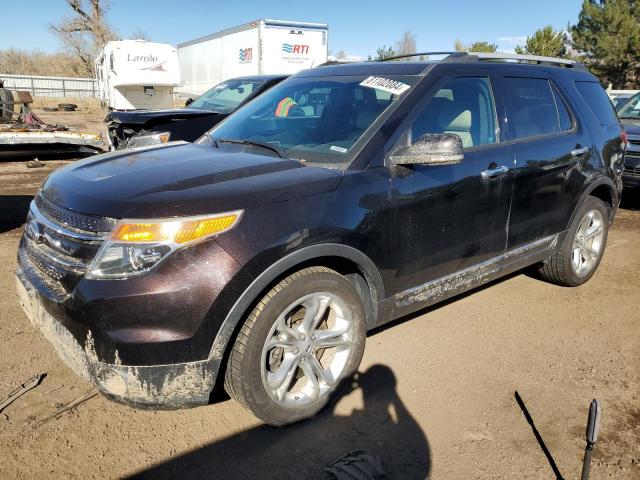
[
  {"x": 262, "y": 47},
  {"x": 136, "y": 74}
]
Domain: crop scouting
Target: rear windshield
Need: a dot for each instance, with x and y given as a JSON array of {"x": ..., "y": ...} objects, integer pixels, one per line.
[
  {"x": 226, "y": 97},
  {"x": 598, "y": 102}
]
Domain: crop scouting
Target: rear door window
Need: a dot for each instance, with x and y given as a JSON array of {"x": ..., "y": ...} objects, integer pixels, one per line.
[
  {"x": 598, "y": 101},
  {"x": 532, "y": 108}
]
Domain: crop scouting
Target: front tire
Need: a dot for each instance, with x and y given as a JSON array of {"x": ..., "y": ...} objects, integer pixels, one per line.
[
  {"x": 304, "y": 336},
  {"x": 579, "y": 253}
]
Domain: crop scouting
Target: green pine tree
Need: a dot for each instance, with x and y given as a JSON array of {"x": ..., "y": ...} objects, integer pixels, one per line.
[
  {"x": 545, "y": 42},
  {"x": 479, "y": 46},
  {"x": 608, "y": 35},
  {"x": 384, "y": 52}
]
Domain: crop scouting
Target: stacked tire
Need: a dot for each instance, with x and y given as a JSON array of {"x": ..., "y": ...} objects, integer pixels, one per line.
[{"x": 6, "y": 105}]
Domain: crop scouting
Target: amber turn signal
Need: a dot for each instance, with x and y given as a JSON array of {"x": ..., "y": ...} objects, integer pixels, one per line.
[{"x": 174, "y": 231}]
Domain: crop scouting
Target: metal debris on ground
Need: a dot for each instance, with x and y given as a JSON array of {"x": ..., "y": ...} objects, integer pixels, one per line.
[
  {"x": 28, "y": 132},
  {"x": 357, "y": 465},
  {"x": 69, "y": 406},
  {"x": 30, "y": 384},
  {"x": 35, "y": 163}
]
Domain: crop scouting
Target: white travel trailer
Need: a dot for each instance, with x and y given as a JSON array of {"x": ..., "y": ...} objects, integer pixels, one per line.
[
  {"x": 262, "y": 47},
  {"x": 134, "y": 74}
]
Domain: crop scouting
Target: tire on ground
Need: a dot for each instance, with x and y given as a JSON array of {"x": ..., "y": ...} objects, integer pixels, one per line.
[
  {"x": 243, "y": 379},
  {"x": 557, "y": 269}
]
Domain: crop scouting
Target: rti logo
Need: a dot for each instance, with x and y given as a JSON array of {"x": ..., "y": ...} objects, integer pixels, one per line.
[
  {"x": 245, "y": 55},
  {"x": 295, "y": 49}
]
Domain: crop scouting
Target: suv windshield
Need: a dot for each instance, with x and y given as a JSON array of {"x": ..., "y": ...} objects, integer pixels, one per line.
[
  {"x": 631, "y": 109},
  {"x": 315, "y": 119},
  {"x": 226, "y": 96}
]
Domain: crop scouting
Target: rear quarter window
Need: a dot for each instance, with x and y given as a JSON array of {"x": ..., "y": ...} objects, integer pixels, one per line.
[{"x": 598, "y": 101}]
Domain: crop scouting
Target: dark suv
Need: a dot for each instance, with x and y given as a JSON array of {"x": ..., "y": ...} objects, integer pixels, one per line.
[{"x": 342, "y": 198}]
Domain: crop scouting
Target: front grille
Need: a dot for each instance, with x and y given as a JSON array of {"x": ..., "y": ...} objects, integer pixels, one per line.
[
  {"x": 77, "y": 221},
  {"x": 58, "y": 245},
  {"x": 46, "y": 285},
  {"x": 632, "y": 154},
  {"x": 631, "y": 172},
  {"x": 52, "y": 263}
]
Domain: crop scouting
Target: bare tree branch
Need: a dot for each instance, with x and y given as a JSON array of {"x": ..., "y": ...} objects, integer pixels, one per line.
[{"x": 86, "y": 32}]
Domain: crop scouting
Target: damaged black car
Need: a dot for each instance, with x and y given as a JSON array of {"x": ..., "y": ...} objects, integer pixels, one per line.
[{"x": 136, "y": 128}]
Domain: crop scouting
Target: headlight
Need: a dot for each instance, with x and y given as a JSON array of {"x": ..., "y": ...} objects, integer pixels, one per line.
[
  {"x": 150, "y": 139},
  {"x": 137, "y": 246}
]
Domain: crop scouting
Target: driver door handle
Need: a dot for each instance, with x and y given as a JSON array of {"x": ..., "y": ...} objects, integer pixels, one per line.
[{"x": 495, "y": 172}]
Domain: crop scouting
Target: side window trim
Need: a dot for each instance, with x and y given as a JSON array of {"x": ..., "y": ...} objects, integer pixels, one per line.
[{"x": 559, "y": 95}]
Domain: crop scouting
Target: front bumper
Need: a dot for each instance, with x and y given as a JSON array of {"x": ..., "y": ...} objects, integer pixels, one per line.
[{"x": 157, "y": 386}]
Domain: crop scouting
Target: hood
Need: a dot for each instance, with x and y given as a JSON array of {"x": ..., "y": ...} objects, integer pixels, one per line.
[
  {"x": 632, "y": 127},
  {"x": 141, "y": 117},
  {"x": 179, "y": 179}
]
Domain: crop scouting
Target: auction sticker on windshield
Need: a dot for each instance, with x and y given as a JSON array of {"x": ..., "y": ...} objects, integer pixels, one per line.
[{"x": 386, "y": 84}]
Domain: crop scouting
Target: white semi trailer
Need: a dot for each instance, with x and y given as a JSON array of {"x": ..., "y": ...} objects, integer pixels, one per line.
[
  {"x": 262, "y": 47},
  {"x": 136, "y": 74}
]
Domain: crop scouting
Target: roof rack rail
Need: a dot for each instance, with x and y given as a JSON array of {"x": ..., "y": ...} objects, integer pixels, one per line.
[
  {"x": 418, "y": 54},
  {"x": 537, "y": 59},
  {"x": 507, "y": 57}
]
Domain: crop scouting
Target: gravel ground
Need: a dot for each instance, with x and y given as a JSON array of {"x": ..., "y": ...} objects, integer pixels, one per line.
[{"x": 434, "y": 396}]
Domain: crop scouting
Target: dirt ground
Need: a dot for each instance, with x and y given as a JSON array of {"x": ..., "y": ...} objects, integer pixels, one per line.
[{"x": 435, "y": 395}]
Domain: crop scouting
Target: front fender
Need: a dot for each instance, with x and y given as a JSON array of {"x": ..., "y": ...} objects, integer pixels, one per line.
[{"x": 304, "y": 255}]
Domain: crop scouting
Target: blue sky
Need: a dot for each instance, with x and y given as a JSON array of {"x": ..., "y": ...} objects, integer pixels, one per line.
[{"x": 358, "y": 27}]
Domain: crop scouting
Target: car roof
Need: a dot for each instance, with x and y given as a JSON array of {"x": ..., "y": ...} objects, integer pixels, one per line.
[{"x": 498, "y": 61}]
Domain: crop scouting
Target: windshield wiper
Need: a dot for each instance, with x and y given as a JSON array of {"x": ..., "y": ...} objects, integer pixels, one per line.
[
  {"x": 629, "y": 118},
  {"x": 248, "y": 142}
]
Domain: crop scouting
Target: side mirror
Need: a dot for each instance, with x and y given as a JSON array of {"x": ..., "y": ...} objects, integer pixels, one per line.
[
  {"x": 188, "y": 102},
  {"x": 430, "y": 149}
]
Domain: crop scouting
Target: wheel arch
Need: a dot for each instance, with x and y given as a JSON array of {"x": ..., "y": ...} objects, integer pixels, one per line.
[
  {"x": 352, "y": 263},
  {"x": 603, "y": 188}
]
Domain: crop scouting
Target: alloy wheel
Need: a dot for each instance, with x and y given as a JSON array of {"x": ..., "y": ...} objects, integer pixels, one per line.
[
  {"x": 307, "y": 350},
  {"x": 587, "y": 243}
]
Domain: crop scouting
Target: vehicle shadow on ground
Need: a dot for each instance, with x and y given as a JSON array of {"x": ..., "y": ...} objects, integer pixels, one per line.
[
  {"x": 630, "y": 199},
  {"x": 383, "y": 427},
  {"x": 13, "y": 211}
]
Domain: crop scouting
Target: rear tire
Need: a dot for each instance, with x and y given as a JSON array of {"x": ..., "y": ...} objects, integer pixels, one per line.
[
  {"x": 304, "y": 337},
  {"x": 6, "y": 105},
  {"x": 577, "y": 256}
]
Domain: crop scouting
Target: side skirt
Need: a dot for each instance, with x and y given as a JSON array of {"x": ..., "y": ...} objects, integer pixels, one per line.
[{"x": 446, "y": 287}]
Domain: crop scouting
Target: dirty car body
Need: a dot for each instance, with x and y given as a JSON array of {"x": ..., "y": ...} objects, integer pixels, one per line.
[
  {"x": 187, "y": 123},
  {"x": 405, "y": 235}
]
